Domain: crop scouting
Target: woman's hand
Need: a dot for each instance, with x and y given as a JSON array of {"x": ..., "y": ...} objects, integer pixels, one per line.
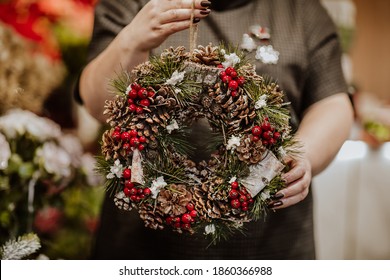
[
  {"x": 159, "y": 19},
  {"x": 297, "y": 179}
]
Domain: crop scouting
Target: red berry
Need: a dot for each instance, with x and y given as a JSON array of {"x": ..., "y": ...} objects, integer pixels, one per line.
[
  {"x": 139, "y": 110},
  {"x": 176, "y": 225},
  {"x": 125, "y": 136},
  {"x": 219, "y": 66},
  {"x": 143, "y": 93},
  {"x": 250, "y": 201},
  {"x": 151, "y": 93},
  {"x": 133, "y": 107},
  {"x": 265, "y": 143},
  {"x": 137, "y": 198},
  {"x": 130, "y": 101},
  {"x": 117, "y": 128},
  {"x": 168, "y": 220},
  {"x": 133, "y": 191},
  {"x": 126, "y": 173},
  {"x": 190, "y": 206},
  {"x": 133, "y": 133},
  {"x": 127, "y": 192},
  {"x": 116, "y": 135},
  {"x": 234, "y": 185},
  {"x": 193, "y": 213},
  {"x": 222, "y": 75},
  {"x": 229, "y": 71},
  {"x": 129, "y": 184},
  {"x": 186, "y": 218},
  {"x": 134, "y": 141},
  {"x": 133, "y": 197},
  {"x": 248, "y": 196},
  {"x": 267, "y": 135},
  {"x": 242, "y": 198},
  {"x": 142, "y": 139},
  {"x": 256, "y": 130},
  {"x": 272, "y": 141},
  {"x": 255, "y": 138},
  {"x": 266, "y": 126},
  {"x": 142, "y": 196},
  {"x": 244, "y": 204},
  {"x": 234, "y": 93},
  {"x": 276, "y": 135},
  {"x": 176, "y": 220},
  {"x": 235, "y": 203},
  {"x": 241, "y": 81},
  {"x": 233, "y": 85},
  {"x": 244, "y": 209},
  {"x": 233, "y": 74},
  {"x": 135, "y": 86},
  {"x": 186, "y": 226},
  {"x": 133, "y": 94},
  {"x": 141, "y": 147},
  {"x": 140, "y": 191},
  {"x": 233, "y": 194},
  {"x": 147, "y": 191},
  {"x": 145, "y": 102},
  {"x": 226, "y": 79}
]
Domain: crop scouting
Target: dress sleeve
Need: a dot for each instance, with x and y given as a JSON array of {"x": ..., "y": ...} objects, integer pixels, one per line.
[
  {"x": 324, "y": 75},
  {"x": 111, "y": 16}
]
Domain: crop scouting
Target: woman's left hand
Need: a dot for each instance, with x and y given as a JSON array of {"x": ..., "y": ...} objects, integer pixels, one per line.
[{"x": 297, "y": 180}]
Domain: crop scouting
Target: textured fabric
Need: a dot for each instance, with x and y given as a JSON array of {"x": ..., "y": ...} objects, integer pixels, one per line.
[{"x": 308, "y": 70}]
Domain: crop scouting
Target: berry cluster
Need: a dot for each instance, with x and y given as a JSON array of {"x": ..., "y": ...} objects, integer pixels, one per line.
[
  {"x": 185, "y": 220},
  {"x": 139, "y": 98},
  {"x": 130, "y": 139},
  {"x": 239, "y": 197},
  {"x": 136, "y": 194},
  {"x": 266, "y": 133},
  {"x": 232, "y": 80}
]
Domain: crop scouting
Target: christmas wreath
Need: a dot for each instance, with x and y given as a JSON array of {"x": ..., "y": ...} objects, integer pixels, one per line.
[{"x": 146, "y": 152}]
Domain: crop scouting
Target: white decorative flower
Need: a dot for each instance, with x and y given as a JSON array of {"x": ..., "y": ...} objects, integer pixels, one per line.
[
  {"x": 209, "y": 229},
  {"x": 157, "y": 185},
  {"x": 128, "y": 89},
  {"x": 116, "y": 170},
  {"x": 233, "y": 179},
  {"x": 262, "y": 102},
  {"x": 88, "y": 164},
  {"x": 267, "y": 54},
  {"x": 231, "y": 60},
  {"x": 176, "y": 78},
  {"x": 172, "y": 126},
  {"x": 54, "y": 159},
  {"x": 222, "y": 51},
  {"x": 72, "y": 145},
  {"x": 233, "y": 142},
  {"x": 248, "y": 43},
  {"x": 18, "y": 122},
  {"x": 5, "y": 152},
  {"x": 282, "y": 152}
]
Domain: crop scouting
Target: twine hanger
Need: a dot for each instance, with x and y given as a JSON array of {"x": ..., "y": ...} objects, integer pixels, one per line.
[{"x": 193, "y": 29}]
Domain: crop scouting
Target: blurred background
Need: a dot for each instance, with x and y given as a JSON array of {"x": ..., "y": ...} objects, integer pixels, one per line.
[{"x": 43, "y": 46}]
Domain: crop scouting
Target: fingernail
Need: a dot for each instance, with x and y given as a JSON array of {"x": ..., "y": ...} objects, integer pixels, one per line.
[
  {"x": 275, "y": 204},
  {"x": 196, "y": 20},
  {"x": 205, "y": 4},
  {"x": 277, "y": 196},
  {"x": 204, "y": 12}
]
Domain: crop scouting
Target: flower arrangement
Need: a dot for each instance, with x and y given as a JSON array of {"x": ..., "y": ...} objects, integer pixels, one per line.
[
  {"x": 147, "y": 151},
  {"x": 44, "y": 173}
]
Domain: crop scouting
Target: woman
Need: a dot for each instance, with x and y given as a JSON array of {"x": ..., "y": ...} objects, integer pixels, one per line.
[{"x": 306, "y": 64}]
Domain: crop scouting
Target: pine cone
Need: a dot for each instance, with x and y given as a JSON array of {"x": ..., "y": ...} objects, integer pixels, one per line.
[
  {"x": 206, "y": 55},
  {"x": 111, "y": 149},
  {"x": 117, "y": 111},
  {"x": 122, "y": 201},
  {"x": 249, "y": 151},
  {"x": 152, "y": 217},
  {"x": 173, "y": 200}
]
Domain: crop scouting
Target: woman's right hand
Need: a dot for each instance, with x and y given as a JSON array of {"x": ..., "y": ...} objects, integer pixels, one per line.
[{"x": 159, "y": 19}]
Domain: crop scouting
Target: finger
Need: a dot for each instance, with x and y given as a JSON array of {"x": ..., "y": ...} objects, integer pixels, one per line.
[
  {"x": 289, "y": 201},
  {"x": 297, "y": 171},
  {"x": 188, "y": 4},
  {"x": 181, "y": 15}
]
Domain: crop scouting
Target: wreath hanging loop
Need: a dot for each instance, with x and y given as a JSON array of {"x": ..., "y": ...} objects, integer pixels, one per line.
[{"x": 147, "y": 151}]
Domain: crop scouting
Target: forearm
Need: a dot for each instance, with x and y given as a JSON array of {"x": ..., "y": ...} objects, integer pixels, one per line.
[
  {"x": 95, "y": 79},
  {"x": 323, "y": 130}
]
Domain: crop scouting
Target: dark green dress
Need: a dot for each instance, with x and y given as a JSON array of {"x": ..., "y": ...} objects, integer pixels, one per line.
[{"x": 308, "y": 70}]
